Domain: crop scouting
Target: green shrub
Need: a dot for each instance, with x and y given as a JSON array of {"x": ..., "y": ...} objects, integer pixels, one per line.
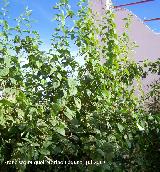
[{"x": 53, "y": 108}]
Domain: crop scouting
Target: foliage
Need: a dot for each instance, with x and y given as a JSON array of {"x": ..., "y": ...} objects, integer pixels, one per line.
[{"x": 53, "y": 108}]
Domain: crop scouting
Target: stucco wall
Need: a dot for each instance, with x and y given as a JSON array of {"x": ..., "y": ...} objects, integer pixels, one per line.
[{"x": 147, "y": 40}]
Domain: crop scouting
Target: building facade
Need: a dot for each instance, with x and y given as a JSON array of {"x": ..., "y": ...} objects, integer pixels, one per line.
[{"x": 147, "y": 40}]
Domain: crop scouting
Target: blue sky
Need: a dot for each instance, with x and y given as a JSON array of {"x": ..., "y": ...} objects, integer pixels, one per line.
[
  {"x": 43, "y": 13},
  {"x": 145, "y": 10}
]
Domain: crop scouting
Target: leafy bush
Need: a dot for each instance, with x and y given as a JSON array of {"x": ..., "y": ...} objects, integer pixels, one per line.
[{"x": 53, "y": 108}]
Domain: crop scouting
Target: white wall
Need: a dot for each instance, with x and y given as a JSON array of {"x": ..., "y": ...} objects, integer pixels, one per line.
[{"x": 147, "y": 40}]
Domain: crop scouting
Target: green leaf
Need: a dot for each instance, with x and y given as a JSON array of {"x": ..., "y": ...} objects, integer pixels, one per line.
[
  {"x": 7, "y": 61},
  {"x": 44, "y": 152},
  {"x": 17, "y": 39},
  {"x": 69, "y": 113},
  {"x": 101, "y": 152},
  {"x": 4, "y": 72},
  {"x": 61, "y": 130},
  {"x": 35, "y": 144},
  {"x": 39, "y": 64},
  {"x": 20, "y": 113},
  {"x": 6, "y": 26},
  {"x": 13, "y": 81},
  {"x": 59, "y": 76},
  {"x": 120, "y": 127},
  {"x": 47, "y": 143},
  {"x": 2, "y": 119},
  {"x": 78, "y": 103},
  {"x": 89, "y": 92},
  {"x": 56, "y": 84},
  {"x": 43, "y": 81},
  {"x": 140, "y": 128}
]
